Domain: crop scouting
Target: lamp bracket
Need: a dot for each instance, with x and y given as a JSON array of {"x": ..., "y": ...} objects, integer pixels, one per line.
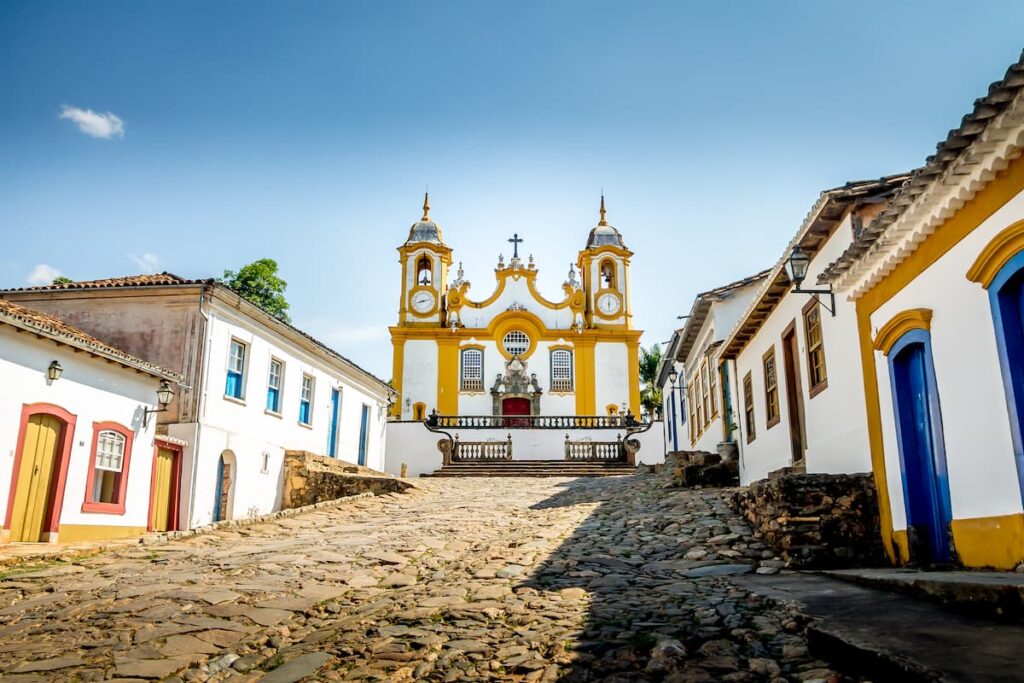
[{"x": 830, "y": 307}]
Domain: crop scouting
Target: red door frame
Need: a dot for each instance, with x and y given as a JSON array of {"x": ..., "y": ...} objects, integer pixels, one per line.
[
  {"x": 55, "y": 496},
  {"x": 173, "y": 505}
]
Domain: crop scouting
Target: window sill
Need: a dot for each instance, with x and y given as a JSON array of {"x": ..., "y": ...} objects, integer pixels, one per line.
[
  {"x": 232, "y": 399},
  {"x": 307, "y": 425},
  {"x": 272, "y": 413},
  {"x": 818, "y": 388},
  {"x": 466, "y": 392},
  {"x": 567, "y": 392},
  {"x": 103, "y": 508}
]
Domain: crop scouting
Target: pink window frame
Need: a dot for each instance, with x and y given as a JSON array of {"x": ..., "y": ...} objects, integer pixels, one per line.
[{"x": 108, "y": 508}]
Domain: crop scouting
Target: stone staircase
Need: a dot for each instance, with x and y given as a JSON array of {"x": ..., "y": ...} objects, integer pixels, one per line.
[{"x": 533, "y": 468}]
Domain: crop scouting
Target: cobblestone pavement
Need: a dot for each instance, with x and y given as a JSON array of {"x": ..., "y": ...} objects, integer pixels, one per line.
[{"x": 614, "y": 579}]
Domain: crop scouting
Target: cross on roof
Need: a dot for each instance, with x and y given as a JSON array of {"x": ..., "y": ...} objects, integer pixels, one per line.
[{"x": 515, "y": 240}]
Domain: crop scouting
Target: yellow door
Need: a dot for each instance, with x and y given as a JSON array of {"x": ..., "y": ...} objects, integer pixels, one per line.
[
  {"x": 163, "y": 480},
  {"x": 38, "y": 457}
]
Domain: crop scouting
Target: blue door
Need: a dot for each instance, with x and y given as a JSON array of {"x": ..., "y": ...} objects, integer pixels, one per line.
[
  {"x": 364, "y": 434},
  {"x": 922, "y": 457},
  {"x": 332, "y": 433},
  {"x": 1006, "y": 294}
]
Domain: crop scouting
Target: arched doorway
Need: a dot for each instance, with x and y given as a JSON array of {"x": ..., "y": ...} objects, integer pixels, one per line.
[
  {"x": 40, "y": 468},
  {"x": 922, "y": 453},
  {"x": 224, "y": 496}
]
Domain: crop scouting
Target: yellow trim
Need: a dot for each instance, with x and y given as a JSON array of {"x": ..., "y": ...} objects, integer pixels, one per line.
[
  {"x": 899, "y": 325},
  {"x": 633, "y": 366},
  {"x": 996, "y": 542},
  {"x": 996, "y": 254},
  {"x": 424, "y": 288},
  {"x": 573, "y": 299},
  {"x": 1004, "y": 187},
  {"x": 611, "y": 409},
  {"x": 901, "y": 545},
  {"x": 448, "y": 376},
  {"x": 586, "y": 384},
  {"x": 71, "y": 533},
  {"x": 397, "y": 368},
  {"x": 419, "y": 410},
  {"x": 524, "y": 321}
]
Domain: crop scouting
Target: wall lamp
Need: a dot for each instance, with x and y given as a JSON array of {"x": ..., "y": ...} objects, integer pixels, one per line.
[
  {"x": 163, "y": 397},
  {"x": 54, "y": 372},
  {"x": 796, "y": 268}
]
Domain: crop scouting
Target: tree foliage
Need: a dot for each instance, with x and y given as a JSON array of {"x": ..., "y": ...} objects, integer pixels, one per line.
[
  {"x": 259, "y": 283},
  {"x": 650, "y": 392},
  {"x": 62, "y": 280}
]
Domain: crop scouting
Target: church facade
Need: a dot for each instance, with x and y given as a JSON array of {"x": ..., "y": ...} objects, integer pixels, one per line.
[{"x": 514, "y": 352}]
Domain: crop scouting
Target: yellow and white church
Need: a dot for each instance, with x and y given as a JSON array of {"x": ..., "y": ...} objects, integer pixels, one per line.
[{"x": 514, "y": 352}]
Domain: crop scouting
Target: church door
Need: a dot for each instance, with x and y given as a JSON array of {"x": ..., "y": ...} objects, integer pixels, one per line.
[{"x": 516, "y": 406}]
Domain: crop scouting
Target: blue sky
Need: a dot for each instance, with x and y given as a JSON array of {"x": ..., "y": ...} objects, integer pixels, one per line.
[{"x": 307, "y": 132}]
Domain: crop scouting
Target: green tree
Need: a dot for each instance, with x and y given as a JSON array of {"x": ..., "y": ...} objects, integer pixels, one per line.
[
  {"x": 62, "y": 280},
  {"x": 259, "y": 283},
  {"x": 650, "y": 392}
]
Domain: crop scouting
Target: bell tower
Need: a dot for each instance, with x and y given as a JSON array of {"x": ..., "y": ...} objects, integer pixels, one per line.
[
  {"x": 425, "y": 259},
  {"x": 604, "y": 264}
]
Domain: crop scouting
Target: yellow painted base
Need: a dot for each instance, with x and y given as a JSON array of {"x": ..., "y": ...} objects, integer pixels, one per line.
[
  {"x": 996, "y": 542},
  {"x": 901, "y": 544},
  {"x": 72, "y": 533}
]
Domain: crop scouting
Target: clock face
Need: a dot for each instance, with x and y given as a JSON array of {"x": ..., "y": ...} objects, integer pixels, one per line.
[
  {"x": 608, "y": 304},
  {"x": 423, "y": 301}
]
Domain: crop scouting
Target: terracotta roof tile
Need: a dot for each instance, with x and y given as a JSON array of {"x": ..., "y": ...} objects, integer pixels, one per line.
[{"x": 145, "y": 280}]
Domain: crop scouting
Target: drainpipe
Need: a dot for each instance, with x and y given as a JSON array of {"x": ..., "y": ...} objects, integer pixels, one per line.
[{"x": 207, "y": 343}]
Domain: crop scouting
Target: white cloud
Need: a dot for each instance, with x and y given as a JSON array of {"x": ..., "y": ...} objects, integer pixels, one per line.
[
  {"x": 149, "y": 263},
  {"x": 94, "y": 124},
  {"x": 42, "y": 274}
]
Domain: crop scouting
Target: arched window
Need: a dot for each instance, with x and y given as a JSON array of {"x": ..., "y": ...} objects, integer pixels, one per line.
[
  {"x": 516, "y": 343},
  {"x": 108, "y": 468},
  {"x": 608, "y": 275},
  {"x": 561, "y": 370},
  {"x": 472, "y": 370},
  {"x": 419, "y": 411},
  {"x": 424, "y": 271}
]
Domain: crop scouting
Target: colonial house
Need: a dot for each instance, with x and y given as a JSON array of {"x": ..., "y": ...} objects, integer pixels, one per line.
[
  {"x": 937, "y": 285},
  {"x": 698, "y": 407},
  {"x": 79, "y": 455},
  {"x": 254, "y": 386},
  {"x": 794, "y": 354}
]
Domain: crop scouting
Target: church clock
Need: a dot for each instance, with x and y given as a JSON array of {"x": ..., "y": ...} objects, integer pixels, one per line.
[
  {"x": 609, "y": 304},
  {"x": 423, "y": 301}
]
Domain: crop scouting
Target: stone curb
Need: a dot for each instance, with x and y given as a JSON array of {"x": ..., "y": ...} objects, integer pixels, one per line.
[{"x": 70, "y": 554}]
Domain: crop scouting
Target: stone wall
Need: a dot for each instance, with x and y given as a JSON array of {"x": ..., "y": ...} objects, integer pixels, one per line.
[
  {"x": 819, "y": 521},
  {"x": 311, "y": 478},
  {"x": 700, "y": 468}
]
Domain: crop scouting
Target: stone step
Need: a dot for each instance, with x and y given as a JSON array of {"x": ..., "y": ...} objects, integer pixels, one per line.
[
  {"x": 995, "y": 595},
  {"x": 887, "y": 636}
]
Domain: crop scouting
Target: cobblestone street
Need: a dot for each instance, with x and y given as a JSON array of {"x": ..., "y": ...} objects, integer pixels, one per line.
[{"x": 466, "y": 579}]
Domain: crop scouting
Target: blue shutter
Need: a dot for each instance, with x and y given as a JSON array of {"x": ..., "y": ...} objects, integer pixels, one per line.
[
  {"x": 233, "y": 386},
  {"x": 363, "y": 434}
]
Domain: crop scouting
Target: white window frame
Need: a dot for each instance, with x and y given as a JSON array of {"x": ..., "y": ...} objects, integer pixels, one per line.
[
  {"x": 512, "y": 337},
  {"x": 467, "y": 382},
  {"x": 562, "y": 384},
  {"x": 302, "y": 394},
  {"x": 104, "y": 459}
]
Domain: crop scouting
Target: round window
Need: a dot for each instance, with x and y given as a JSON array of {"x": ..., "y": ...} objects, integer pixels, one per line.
[{"x": 516, "y": 343}]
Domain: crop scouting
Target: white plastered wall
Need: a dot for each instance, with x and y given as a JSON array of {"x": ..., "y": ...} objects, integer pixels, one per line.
[
  {"x": 979, "y": 452},
  {"x": 516, "y": 292},
  {"x": 419, "y": 376},
  {"x": 93, "y": 390},
  {"x": 835, "y": 419},
  {"x": 611, "y": 375},
  {"x": 249, "y": 431}
]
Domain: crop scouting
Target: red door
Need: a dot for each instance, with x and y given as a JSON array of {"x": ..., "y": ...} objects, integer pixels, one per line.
[{"x": 516, "y": 406}]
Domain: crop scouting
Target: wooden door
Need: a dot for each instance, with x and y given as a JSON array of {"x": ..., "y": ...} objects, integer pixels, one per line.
[
  {"x": 33, "y": 498},
  {"x": 164, "y": 493},
  {"x": 794, "y": 395}
]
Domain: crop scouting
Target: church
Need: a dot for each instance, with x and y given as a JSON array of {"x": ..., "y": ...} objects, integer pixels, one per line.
[{"x": 514, "y": 352}]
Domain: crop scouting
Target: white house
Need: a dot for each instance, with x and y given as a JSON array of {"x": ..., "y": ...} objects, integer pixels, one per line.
[
  {"x": 796, "y": 362},
  {"x": 79, "y": 455},
  {"x": 938, "y": 282},
  {"x": 254, "y": 386},
  {"x": 697, "y": 404}
]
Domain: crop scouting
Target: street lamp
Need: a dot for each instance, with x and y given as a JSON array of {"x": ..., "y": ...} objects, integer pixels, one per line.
[
  {"x": 163, "y": 397},
  {"x": 796, "y": 268},
  {"x": 54, "y": 372}
]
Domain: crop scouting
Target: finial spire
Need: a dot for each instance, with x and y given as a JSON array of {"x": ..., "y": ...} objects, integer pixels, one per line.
[
  {"x": 426, "y": 206},
  {"x": 603, "y": 221}
]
